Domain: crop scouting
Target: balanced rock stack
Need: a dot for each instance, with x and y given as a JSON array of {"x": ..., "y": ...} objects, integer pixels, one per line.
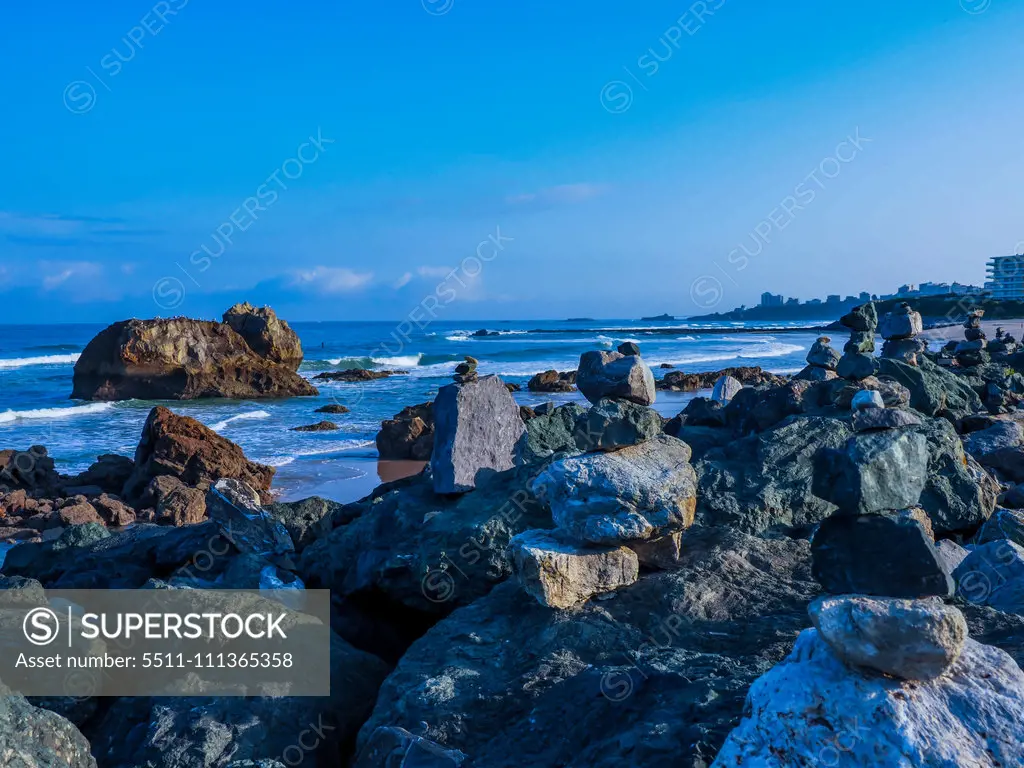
[
  {"x": 972, "y": 351},
  {"x": 857, "y": 361},
  {"x": 901, "y": 329},
  {"x": 1003, "y": 344},
  {"x": 622, "y": 502},
  {"x": 465, "y": 372},
  {"x": 821, "y": 362}
]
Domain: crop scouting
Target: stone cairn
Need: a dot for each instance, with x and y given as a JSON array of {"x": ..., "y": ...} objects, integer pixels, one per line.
[
  {"x": 877, "y": 561},
  {"x": 857, "y": 361},
  {"x": 1003, "y": 344},
  {"x": 901, "y": 329},
  {"x": 821, "y": 362},
  {"x": 619, "y": 500},
  {"x": 972, "y": 351},
  {"x": 466, "y": 372}
]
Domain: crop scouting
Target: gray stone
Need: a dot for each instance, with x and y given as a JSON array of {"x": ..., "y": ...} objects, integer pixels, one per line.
[
  {"x": 610, "y": 374},
  {"x": 638, "y": 492},
  {"x": 814, "y": 373},
  {"x": 884, "y": 418},
  {"x": 933, "y": 389},
  {"x": 993, "y": 575},
  {"x": 629, "y": 348},
  {"x": 549, "y": 432},
  {"x": 725, "y": 389},
  {"x": 876, "y": 471},
  {"x": 950, "y": 554},
  {"x": 81, "y": 535},
  {"x": 867, "y": 398},
  {"x": 908, "y": 351},
  {"x": 476, "y": 428},
  {"x": 856, "y": 366},
  {"x": 901, "y": 323},
  {"x": 1004, "y": 434},
  {"x": 665, "y": 552},
  {"x": 908, "y": 639},
  {"x": 561, "y": 574},
  {"x": 1004, "y": 524},
  {"x": 860, "y": 342},
  {"x": 877, "y": 555},
  {"x": 861, "y": 318},
  {"x": 390, "y": 747},
  {"x": 821, "y": 355},
  {"x": 813, "y": 710},
  {"x": 31, "y": 737},
  {"x": 615, "y": 424}
]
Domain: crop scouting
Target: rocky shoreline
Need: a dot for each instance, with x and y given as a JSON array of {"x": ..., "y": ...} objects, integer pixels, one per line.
[{"x": 823, "y": 569}]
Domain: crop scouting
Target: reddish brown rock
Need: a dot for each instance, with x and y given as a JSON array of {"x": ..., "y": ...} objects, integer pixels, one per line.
[
  {"x": 113, "y": 510},
  {"x": 409, "y": 435},
  {"x": 79, "y": 514},
  {"x": 183, "y": 448},
  {"x": 182, "y": 506},
  {"x": 182, "y": 359},
  {"x": 690, "y": 382},
  {"x": 553, "y": 381},
  {"x": 266, "y": 334}
]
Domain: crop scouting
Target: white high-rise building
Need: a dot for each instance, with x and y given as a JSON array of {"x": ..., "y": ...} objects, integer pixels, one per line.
[{"x": 1006, "y": 277}]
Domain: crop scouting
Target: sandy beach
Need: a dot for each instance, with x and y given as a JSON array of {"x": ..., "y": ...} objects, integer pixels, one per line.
[{"x": 939, "y": 336}]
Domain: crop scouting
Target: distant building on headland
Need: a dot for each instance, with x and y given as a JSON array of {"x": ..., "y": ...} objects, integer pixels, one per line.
[
  {"x": 1010, "y": 269},
  {"x": 1006, "y": 277}
]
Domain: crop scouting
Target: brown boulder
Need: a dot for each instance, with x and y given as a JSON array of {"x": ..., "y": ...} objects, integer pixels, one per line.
[
  {"x": 357, "y": 374},
  {"x": 553, "y": 381},
  {"x": 79, "y": 514},
  {"x": 181, "y": 359},
  {"x": 31, "y": 469},
  {"x": 113, "y": 510},
  {"x": 109, "y": 472},
  {"x": 182, "y": 506},
  {"x": 690, "y": 382},
  {"x": 409, "y": 435},
  {"x": 191, "y": 452},
  {"x": 266, "y": 334}
]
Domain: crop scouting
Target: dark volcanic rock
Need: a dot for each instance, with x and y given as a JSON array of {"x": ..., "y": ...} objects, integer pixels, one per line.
[
  {"x": 308, "y": 519},
  {"x": 181, "y": 447},
  {"x": 691, "y": 382},
  {"x": 765, "y": 481},
  {"x": 320, "y": 426},
  {"x": 933, "y": 389},
  {"x": 409, "y": 435},
  {"x": 548, "y": 433},
  {"x": 357, "y": 374},
  {"x": 31, "y": 737},
  {"x": 109, "y": 472},
  {"x": 220, "y": 732},
  {"x": 476, "y": 428},
  {"x": 875, "y": 471},
  {"x": 182, "y": 359},
  {"x": 31, "y": 470},
  {"x": 553, "y": 381},
  {"x": 877, "y": 555},
  {"x": 334, "y": 408},
  {"x": 655, "y": 676},
  {"x": 615, "y": 424}
]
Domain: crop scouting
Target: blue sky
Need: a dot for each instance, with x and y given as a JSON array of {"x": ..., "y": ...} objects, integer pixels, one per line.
[{"x": 627, "y": 159}]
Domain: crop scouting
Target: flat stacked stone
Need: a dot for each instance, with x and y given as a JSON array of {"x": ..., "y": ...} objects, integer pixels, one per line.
[
  {"x": 901, "y": 329},
  {"x": 857, "y": 361},
  {"x": 822, "y": 360},
  {"x": 465, "y": 372},
  {"x": 1003, "y": 344},
  {"x": 973, "y": 350}
]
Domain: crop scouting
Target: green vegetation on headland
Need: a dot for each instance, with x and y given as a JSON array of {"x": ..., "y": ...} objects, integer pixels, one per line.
[{"x": 934, "y": 309}]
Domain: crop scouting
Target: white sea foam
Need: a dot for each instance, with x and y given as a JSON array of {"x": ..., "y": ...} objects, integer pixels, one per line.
[
  {"x": 766, "y": 349},
  {"x": 239, "y": 417},
  {"x": 406, "y": 361},
  {"x": 10, "y": 416},
  {"x": 323, "y": 448},
  {"x": 23, "y": 362}
]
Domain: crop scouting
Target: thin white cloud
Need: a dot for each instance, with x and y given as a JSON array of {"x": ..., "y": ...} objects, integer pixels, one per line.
[
  {"x": 57, "y": 273},
  {"x": 331, "y": 279},
  {"x": 402, "y": 281},
  {"x": 433, "y": 271},
  {"x": 563, "y": 193}
]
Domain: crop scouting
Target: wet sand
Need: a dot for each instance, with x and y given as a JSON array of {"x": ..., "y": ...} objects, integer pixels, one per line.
[{"x": 937, "y": 337}]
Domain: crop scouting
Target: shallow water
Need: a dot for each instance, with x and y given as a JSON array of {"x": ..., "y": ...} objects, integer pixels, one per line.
[{"x": 36, "y": 365}]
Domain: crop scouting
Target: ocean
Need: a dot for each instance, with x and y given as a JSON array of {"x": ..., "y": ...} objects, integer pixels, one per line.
[{"x": 37, "y": 361}]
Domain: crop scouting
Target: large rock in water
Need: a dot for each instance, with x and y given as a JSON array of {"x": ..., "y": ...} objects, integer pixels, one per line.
[
  {"x": 611, "y": 374},
  {"x": 266, "y": 334},
  {"x": 182, "y": 359},
  {"x": 637, "y": 492},
  {"x": 182, "y": 447},
  {"x": 31, "y": 737},
  {"x": 408, "y": 435},
  {"x": 476, "y": 428},
  {"x": 655, "y": 676},
  {"x": 814, "y": 710}
]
